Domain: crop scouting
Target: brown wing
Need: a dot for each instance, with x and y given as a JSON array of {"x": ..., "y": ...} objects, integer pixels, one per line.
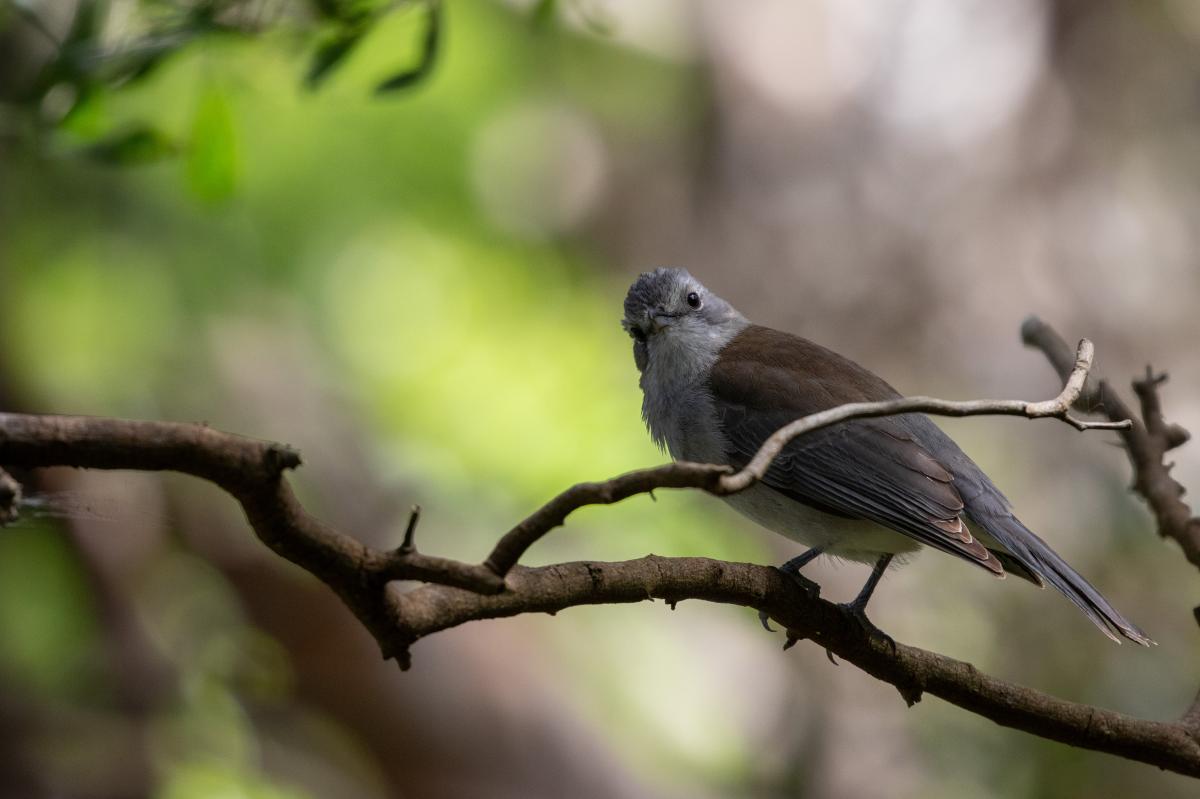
[{"x": 869, "y": 469}]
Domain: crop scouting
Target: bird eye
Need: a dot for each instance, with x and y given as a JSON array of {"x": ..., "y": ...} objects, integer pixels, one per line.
[{"x": 693, "y": 299}]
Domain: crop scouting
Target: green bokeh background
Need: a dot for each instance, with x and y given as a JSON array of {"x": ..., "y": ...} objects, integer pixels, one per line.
[{"x": 318, "y": 268}]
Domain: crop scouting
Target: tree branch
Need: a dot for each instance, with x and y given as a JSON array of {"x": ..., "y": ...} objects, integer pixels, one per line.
[
  {"x": 455, "y": 593},
  {"x": 10, "y": 498},
  {"x": 721, "y": 480},
  {"x": 1146, "y": 441},
  {"x": 431, "y": 608}
]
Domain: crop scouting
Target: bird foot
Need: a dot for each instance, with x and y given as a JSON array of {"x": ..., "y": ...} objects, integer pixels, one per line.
[
  {"x": 810, "y": 589},
  {"x": 859, "y": 615}
]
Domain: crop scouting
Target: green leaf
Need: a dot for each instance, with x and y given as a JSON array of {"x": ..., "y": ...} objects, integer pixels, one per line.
[
  {"x": 349, "y": 12},
  {"x": 88, "y": 116},
  {"x": 72, "y": 56},
  {"x": 211, "y": 165},
  {"x": 140, "y": 144},
  {"x": 331, "y": 53},
  {"x": 429, "y": 51},
  {"x": 543, "y": 14}
]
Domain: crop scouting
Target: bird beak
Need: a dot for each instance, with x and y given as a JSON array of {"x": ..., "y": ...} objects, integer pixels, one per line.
[{"x": 660, "y": 320}]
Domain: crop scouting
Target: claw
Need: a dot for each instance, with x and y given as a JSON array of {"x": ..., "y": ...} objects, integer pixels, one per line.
[
  {"x": 791, "y": 570},
  {"x": 810, "y": 588},
  {"x": 856, "y": 612}
]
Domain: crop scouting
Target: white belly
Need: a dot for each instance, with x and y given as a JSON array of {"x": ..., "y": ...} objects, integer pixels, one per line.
[{"x": 852, "y": 539}]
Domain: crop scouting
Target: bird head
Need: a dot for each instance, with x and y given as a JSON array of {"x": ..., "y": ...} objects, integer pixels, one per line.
[{"x": 670, "y": 306}]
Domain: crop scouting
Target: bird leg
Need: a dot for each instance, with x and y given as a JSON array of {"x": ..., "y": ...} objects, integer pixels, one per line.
[
  {"x": 857, "y": 609},
  {"x": 792, "y": 569}
]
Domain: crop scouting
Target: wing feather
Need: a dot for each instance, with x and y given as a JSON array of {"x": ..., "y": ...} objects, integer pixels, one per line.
[{"x": 869, "y": 469}]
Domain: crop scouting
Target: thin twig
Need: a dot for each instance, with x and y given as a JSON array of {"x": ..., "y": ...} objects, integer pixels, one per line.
[
  {"x": 1146, "y": 440},
  {"x": 721, "y": 480},
  {"x": 253, "y": 473},
  {"x": 409, "y": 546}
]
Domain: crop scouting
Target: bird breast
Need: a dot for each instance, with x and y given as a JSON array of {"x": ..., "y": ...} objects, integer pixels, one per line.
[{"x": 677, "y": 405}]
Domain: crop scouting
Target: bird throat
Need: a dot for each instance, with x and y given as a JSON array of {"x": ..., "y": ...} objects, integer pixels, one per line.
[{"x": 677, "y": 405}]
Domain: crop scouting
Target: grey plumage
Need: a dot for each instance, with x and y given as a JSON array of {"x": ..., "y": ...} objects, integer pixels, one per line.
[{"x": 715, "y": 386}]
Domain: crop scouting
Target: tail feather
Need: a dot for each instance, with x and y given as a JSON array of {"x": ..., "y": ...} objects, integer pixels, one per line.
[
  {"x": 1022, "y": 545},
  {"x": 1013, "y": 566}
]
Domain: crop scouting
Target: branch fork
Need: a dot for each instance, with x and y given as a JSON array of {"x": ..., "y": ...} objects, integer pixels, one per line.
[{"x": 453, "y": 592}]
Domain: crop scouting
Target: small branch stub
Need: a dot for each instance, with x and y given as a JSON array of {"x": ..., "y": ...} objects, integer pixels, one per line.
[
  {"x": 409, "y": 545},
  {"x": 1146, "y": 441},
  {"x": 454, "y": 593}
]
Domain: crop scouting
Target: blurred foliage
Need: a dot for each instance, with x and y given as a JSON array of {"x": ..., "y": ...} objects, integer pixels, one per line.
[
  {"x": 488, "y": 367},
  {"x": 212, "y": 157},
  {"x": 97, "y": 56},
  {"x": 46, "y": 618},
  {"x": 288, "y": 252}
]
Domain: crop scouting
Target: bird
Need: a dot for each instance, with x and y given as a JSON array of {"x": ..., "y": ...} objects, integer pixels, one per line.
[{"x": 715, "y": 386}]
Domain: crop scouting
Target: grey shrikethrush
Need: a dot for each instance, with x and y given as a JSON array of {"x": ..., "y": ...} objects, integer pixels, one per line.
[{"x": 716, "y": 386}]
